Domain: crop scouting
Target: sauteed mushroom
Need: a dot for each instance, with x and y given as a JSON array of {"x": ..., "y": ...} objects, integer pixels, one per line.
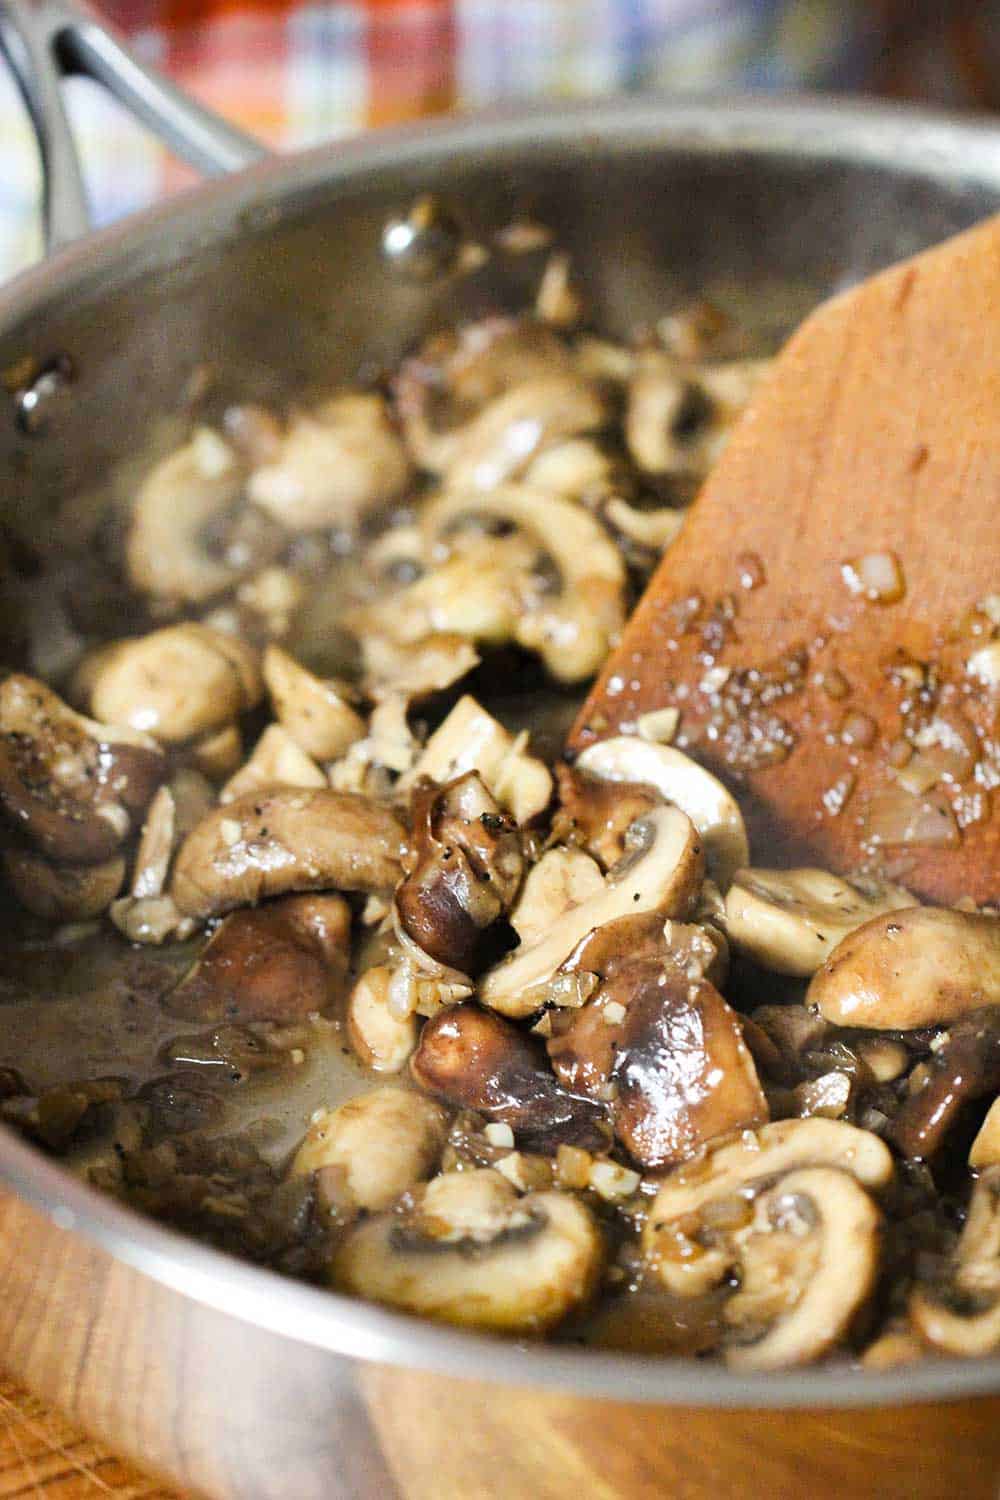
[
  {"x": 383, "y": 1040},
  {"x": 561, "y": 879},
  {"x": 674, "y": 1054},
  {"x": 334, "y": 465},
  {"x": 466, "y": 869},
  {"x": 71, "y": 787},
  {"x": 712, "y": 809},
  {"x": 168, "y": 551},
  {"x": 173, "y": 684},
  {"x": 962, "y": 1316},
  {"x": 963, "y": 1068},
  {"x": 470, "y": 739},
  {"x": 60, "y": 892},
  {"x": 919, "y": 967},
  {"x": 662, "y": 871},
  {"x": 374, "y": 1147},
  {"x": 316, "y": 714},
  {"x": 282, "y": 961},
  {"x": 276, "y": 760},
  {"x": 679, "y": 416},
  {"x": 599, "y": 813},
  {"x": 470, "y": 1251},
  {"x": 269, "y": 843},
  {"x": 475, "y": 1060},
  {"x": 791, "y": 920}
]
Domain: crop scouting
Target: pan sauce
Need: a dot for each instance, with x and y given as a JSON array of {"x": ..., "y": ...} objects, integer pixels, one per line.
[{"x": 605, "y": 1148}]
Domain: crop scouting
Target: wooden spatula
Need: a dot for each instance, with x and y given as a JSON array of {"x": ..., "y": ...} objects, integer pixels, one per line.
[{"x": 828, "y": 621}]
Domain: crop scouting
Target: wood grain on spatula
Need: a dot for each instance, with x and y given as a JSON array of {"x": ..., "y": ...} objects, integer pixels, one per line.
[{"x": 877, "y": 432}]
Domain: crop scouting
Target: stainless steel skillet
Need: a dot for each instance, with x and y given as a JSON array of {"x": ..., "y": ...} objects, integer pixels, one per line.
[{"x": 228, "y": 1379}]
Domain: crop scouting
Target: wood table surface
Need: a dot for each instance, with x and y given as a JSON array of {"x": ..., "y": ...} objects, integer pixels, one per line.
[{"x": 44, "y": 1457}]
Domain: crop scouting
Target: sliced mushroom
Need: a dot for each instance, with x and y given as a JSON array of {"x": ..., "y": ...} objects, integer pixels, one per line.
[
  {"x": 919, "y": 967},
  {"x": 470, "y": 739},
  {"x": 475, "y": 1060},
  {"x": 465, "y": 870},
  {"x": 167, "y": 551},
  {"x": 808, "y": 1263},
  {"x": 219, "y": 752},
  {"x": 572, "y": 628},
  {"x": 963, "y": 1316},
  {"x": 283, "y": 961},
  {"x": 791, "y": 920},
  {"x": 383, "y": 1040},
  {"x": 428, "y": 666},
  {"x": 71, "y": 787},
  {"x": 674, "y": 1053},
  {"x": 965, "y": 1067},
  {"x": 711, "y": 808},
  {"x": 985, "y": 1149},
  {"x": 271, "y": 843},
  {"x": 382, "y": 1143},
  {"x": 792, "y": 1031},
  {"x": 715, "y": 1189},
  {"x": 315, "y": 713},
  {"x": 479, "y": 408},
  {"x": 561, "y": 879},
  {"x": 579, "y": 469},
  {"x": 61, "y": 892},
  {"x": 174, "y": 684},
  {"x": 471, "y": 1252},
  {"x": 152, "y": 859},
  {"x": 599, "y": 813},
  {"x": 662, "y": 871},
  {"x": 276, "y": 760},
  {"x": 679, "y": 416},
  {"x": 335, "y": 464}
]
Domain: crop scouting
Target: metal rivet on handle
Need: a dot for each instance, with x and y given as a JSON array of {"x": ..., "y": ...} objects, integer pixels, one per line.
[
  {"x": 425, "y": 242},
  {"x": 35, "y": 404}
]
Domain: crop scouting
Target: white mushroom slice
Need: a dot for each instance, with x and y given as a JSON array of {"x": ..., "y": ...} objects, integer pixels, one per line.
[
  {"x": 573, "y": 628},
  {"x": 985, "y": 1149},
  {"x": 679, "y": 416},
  {"x": 497, "y": 445},
  {"x": 791, "y": 920},
  {"x": 561, "y": 879},
  {"x": 970, "y": 1326},
  {"x": 470, "y": 739},
  {"x": 391, "y": 742},
  {"x": 475, "y": 1254},
  {"x": 811, "y": 1254},
  {"x": 382, "y": 1039},
  {"x": 315, "y": 713},
  {"x": 336, "y": 464},
  {"x": 655, "y": 529},
  {"x": 276, "y": 760},
  {"x": 711, "y": 808},
  {"x": 385, "y": 1142},
  {"x": 176, "y": 683},
  {"x": 575, "y": 469},
  {"x": 165, "y": 551},
  {"x": 723, "y": 1176},
  {"x": 924, "y": 966},
  {"x": 662, "y": 872},
  {"x": 427, "y": 666},
  {"x": 152, "y": 860}
]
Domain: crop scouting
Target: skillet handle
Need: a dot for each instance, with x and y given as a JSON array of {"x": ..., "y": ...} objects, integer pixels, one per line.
[{"x": 45, "y": 41}]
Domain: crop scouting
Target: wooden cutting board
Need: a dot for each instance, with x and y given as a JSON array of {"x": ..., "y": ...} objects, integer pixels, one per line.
[{"x": 43, "y": 1457}]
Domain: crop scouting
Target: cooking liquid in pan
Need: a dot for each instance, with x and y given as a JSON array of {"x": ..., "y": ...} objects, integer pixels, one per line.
[{"x": 574, "y": 458}]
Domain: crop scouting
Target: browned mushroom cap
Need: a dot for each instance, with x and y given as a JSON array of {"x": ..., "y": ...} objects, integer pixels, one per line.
[
  {"x": 676, "y": 1054},
  {"x": 922, "y": 966},
  {"x": 964, "y": 1068},
  {"x": 279, "y": 962},
  {"x": 63, "y": 893},
  {"x": 598, "y": 813},
  {"x": 474, "y": 1059},
  {"x": 271, "y": 843},
  {"x": 70, "y": 786},
  {"x": 467, "y": 868}
]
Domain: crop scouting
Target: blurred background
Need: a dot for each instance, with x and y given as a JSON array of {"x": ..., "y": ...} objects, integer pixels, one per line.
[{"x": 300, "y": 71}]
